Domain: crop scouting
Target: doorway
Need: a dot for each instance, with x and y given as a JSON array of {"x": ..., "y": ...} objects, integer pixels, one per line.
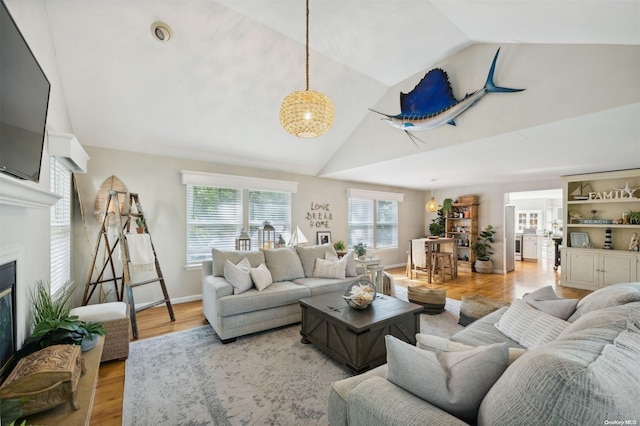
[{"x": 537, "y": 217}]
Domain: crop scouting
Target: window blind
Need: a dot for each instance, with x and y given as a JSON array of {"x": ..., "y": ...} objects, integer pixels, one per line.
[
  {"x": 273, "y": 206},
  {"x": 214, "y": 219},
  {"x": 360, "y": 222},
  {"x": 60, "y": 227}
]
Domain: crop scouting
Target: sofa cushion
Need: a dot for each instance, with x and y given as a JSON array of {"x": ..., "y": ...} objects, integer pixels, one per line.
[
  {"x": 546, "y": 300},
  {"x": 529, "y": 326},
  {"x": 238, "y": 275},
  {"x": 220, "y": 256},
  {"x": 319, "y": 286},
  {"x": 475, "y": 307},
  {"x": 261, "y": 277},
  {"x": 615, "y": 295},
  {"x": 309, "y": 254},
  {"x": 439, "y": 344},
  {"x": 277, "y": 294},
  {"x": 453, "y": 381},
  {"x": 588, "y": 376},
  {"x": 283, "y": 263},
  {"x": 603, "y": 323},
  {"x": 484, "y": 332},
  {"x": 330, "y": 269}
]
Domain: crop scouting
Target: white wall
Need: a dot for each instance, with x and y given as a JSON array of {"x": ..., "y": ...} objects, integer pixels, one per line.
[{"x": 157, "y": 180}]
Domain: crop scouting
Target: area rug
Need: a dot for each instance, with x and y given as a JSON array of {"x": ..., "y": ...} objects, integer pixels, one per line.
[{"x": 191, "y": 378}]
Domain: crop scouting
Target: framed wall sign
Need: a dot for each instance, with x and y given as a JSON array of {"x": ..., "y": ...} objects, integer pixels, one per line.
[{"x": 324, "y": 237}]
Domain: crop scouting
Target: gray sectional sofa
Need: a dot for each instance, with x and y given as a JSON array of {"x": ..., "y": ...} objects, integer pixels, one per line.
[
  {"x": 587, "y": 373},
  {"x": 234, "y": 311}
]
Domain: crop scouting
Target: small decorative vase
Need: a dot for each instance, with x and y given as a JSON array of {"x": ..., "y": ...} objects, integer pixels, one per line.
[{"x": 88, "y": 344}]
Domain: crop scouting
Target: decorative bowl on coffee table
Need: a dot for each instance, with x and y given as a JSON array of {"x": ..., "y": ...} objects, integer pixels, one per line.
[{"x": 360, "y": 294}]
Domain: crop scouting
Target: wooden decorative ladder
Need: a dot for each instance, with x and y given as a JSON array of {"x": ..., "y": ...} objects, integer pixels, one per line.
[{"x": 120, "y": 209}]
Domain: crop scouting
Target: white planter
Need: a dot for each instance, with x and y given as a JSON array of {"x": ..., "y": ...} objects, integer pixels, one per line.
[{"x": 484, "y": 266}]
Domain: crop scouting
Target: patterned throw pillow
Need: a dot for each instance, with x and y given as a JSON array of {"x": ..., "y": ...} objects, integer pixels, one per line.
[
  {"x": 261, "y": 277},
  {"x": 453, "y": 381},
  {"x": 238, "y": 275},
  {"x": 330, "y": 269},
  {"x": 529, "y": 326}
]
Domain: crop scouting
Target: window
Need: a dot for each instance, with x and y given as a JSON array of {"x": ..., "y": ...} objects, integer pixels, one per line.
[
  {"x": 214, "y": 219},
  {"x": 373, "y": 218},
  {"x": 219, "y": 206},
  {"x": 60, "y": 227}
]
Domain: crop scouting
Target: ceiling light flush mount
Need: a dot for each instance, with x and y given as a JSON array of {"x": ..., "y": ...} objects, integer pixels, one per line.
[
  {"x": 307, "y": 114},
  {"x": 161, "y": 31}
]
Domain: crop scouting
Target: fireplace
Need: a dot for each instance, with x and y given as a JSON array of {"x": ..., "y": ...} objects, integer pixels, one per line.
[{"x": 8, "y": 339}]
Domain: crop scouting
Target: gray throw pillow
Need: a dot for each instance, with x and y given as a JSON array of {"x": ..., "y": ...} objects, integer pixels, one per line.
[
  {"x": 309, "y": 254},
  {"x": 238, "y": 275},
  {"x": 261, "y": 277},
  {"x": 453, "y": 381},
  {"x": 546, "y": 300},
  {"x": 351, "y": 264},
  {"x": 284, "y": 264}
]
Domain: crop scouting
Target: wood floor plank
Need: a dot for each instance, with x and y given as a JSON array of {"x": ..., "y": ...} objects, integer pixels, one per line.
[{"x": 528, "y": 276}]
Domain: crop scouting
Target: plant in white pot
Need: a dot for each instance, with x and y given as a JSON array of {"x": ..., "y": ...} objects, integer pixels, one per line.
[{"x": 482, "y": 250}]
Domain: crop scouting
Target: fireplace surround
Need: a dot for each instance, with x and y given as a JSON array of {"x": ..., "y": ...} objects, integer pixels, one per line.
[{"x": 8, "y": 335}]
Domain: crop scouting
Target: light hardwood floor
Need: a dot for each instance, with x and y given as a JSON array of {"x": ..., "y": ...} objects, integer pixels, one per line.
[{"x": 528, "y": 276}]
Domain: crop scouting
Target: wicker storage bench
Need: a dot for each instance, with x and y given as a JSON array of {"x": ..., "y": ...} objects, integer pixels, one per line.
[{"x": 114, "y": 316}]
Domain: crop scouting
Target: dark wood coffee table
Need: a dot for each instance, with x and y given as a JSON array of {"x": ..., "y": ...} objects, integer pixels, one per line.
[{"x": 356, "y": 337}]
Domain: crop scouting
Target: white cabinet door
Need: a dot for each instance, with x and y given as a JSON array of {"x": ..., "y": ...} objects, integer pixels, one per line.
[
  {"x": 530, "y": 247},
  {"x": 617, "y": 268},
  {"x": 581, "y": 269}
]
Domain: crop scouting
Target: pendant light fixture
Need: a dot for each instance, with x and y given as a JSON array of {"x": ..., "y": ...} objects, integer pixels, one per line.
[
  {"x": 432, "y": 204},
  {"x": 307, "y": 114}
]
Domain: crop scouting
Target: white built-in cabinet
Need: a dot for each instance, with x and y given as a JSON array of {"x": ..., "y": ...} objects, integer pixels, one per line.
[
  {"x": 530, "y": 247},
  {"x": 593, "y": 203}
]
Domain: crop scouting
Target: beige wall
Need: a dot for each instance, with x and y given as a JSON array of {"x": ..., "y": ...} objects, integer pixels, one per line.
[{"x": 157, "y": 180}]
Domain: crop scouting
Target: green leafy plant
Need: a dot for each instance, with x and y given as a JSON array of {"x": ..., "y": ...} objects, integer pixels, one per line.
[
  {"x": 140, "y": 222},
  {"x": 633, "y": 217},
  {"x": 482, "y": 246},
  {"x": 360, "y": 249},
  {"x": 10, "y": 411},
  {"x": 438, "y": 225},
  {"x": 52, "y": 322},
  {"x": 447, "y": 206},
  {"x": 339, "y": 245}
]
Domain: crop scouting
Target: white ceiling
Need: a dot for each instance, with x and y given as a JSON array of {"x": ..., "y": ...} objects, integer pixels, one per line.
[{"x": 213, "y": 92}]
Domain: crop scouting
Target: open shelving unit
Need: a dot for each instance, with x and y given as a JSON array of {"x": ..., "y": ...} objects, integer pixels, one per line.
[
  {"x": 594, "y": 203},
  {"x": 462, "y": 225}
]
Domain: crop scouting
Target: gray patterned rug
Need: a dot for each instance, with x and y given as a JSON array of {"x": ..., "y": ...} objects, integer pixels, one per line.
[{"x": 191, "y": 378}]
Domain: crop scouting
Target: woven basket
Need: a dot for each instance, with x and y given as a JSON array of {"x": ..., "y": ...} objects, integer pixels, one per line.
[{"x": 432, "y": 301}]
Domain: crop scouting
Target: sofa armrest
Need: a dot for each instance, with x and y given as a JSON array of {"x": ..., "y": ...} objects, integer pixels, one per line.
[
  {"x": 207, "y": 268},
  {"x": 376, "y": 401}
]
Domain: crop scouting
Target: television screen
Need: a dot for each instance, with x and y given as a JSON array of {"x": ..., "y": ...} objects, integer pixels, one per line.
[{"x": 24, "y": 98}]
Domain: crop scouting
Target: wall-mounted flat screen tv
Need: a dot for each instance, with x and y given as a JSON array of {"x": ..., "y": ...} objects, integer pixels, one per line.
[{"x": 24, "y": 100}]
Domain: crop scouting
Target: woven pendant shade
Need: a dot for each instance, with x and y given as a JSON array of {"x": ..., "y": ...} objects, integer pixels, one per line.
[{"x": 306, "y": 114}]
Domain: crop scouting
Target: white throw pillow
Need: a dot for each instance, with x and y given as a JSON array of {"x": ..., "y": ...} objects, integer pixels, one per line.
[
  {"x": 330, "y": 269},
  {"x": 439, "y": 344},
  {"x": 453, "y": 381},
  {"x": 261, "y": 276},
  {"x": 529, "y": 326},
  {"x": 238, "y": 275}
]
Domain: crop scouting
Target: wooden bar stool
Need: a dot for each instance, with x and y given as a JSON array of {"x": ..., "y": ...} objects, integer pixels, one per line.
[{"x": 441, "y": 262}]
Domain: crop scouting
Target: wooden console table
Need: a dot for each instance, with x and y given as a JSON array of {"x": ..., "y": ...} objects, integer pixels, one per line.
[{"x": 63, "y": 414}]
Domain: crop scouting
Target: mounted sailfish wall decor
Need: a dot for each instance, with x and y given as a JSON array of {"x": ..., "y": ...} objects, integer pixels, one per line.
[{"x": 432, "y": 103}]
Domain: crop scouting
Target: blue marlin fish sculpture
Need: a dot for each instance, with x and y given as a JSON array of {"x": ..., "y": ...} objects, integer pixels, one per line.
[{"x": 432, "y": 103}]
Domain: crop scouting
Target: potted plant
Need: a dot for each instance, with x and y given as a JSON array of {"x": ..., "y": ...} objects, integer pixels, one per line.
[
  {"x": 360, "y": 250},
  {"x": 54, "y": 325},
  {"x": 140, "y": 225},
  {"x": 339, "y": 246},
  {"x": 482, "y": 250},
  {"x": 633, "y": 217},
  {"x": 438, "y": 225},
  {"x": 447, "y": 207}
]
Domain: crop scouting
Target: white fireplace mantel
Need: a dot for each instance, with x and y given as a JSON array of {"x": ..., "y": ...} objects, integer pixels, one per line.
[{"x": 25, "y": 194}]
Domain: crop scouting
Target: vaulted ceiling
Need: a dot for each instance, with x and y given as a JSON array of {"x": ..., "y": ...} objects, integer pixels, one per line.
[{"x": 214, "y": 90}]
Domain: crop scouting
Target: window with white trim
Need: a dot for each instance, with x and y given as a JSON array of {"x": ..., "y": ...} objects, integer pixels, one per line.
[
  {"x": 219, "y": 206},
  {"x": 372, "y": 219},
  {"x": 60, "y": 227}
]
